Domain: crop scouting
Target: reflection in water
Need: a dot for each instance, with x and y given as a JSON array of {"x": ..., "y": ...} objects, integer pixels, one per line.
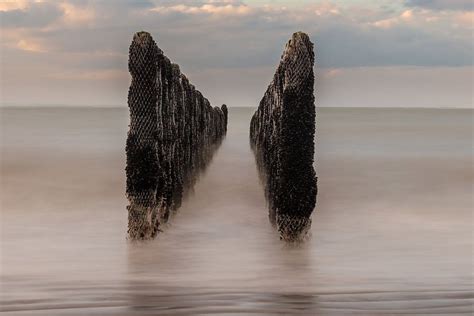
[
  {"x": 391, "y": 233},
  {"x": 149, "y": 299}
]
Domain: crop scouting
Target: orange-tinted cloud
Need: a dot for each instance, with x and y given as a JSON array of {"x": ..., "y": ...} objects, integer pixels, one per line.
[
  {"x": 77, "y": 15},
  {"x": 30, "y": 46},
  {"x": 9, "y": 5},
  {"x": 228, "y": 9}
]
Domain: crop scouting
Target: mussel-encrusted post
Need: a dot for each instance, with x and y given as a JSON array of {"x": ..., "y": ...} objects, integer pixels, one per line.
[
  {"x": 172, "y": 136},
  {"x": 282, "y": 137}
]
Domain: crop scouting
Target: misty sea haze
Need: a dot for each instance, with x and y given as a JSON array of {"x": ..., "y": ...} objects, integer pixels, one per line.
[{"x": 391, "y": 233}]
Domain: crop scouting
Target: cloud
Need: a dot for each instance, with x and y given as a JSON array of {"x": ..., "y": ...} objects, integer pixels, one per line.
[
  {"x": 216, "y": 34},
  {"x": 465, "y": 19},
  {"x": 405, "y": 16},
  {"x": 385, "y": 23},
  {"x": 465, "y": 5},
  {"x": 77, "y": 40},
  {"x": 397, "y": 46},
  {"x": 13, "y": 5},
  {"x": 227, "y": 9},
  {"x": 30, "y": 46},
  {"x": 327, "y": 8},
  {"x": 77, "y": 15},
  {"x": 46, "y": 14},
  {"x": 108, "y": 74},
  {"x": 29, "y": 14}
]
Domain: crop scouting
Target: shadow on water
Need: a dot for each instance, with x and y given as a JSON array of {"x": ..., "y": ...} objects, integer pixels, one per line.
[
  {"x": 221, "y": 256},
  {"x": 205, "y": 297},
  {"x": 146, "y": 299}
]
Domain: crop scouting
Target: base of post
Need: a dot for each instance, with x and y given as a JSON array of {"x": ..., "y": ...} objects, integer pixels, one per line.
[
  {"x": 143, "y": 222},
  {"x": 293, "y": 228}
]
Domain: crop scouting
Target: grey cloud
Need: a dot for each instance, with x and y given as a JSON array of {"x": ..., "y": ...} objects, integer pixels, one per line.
[
  {"x": 36, "y": 15},
  {"x": 196, "y": 2},
  {"x": 252, "y": 40},
  {"x": 220, "y": 53},
  {"x": 465, "y": 5},
  {"x": 116, "y": 3},
  {"x": 344, "y": 46}
]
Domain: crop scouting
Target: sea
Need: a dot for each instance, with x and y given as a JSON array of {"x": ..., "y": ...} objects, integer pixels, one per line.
[{"x": 392, "y": 231}]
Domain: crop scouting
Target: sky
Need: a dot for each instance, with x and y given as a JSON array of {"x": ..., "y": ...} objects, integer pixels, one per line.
[{"x": 398, "y": 53}]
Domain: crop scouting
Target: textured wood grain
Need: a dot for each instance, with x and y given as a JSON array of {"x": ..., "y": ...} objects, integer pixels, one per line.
[
  {"x": 282, "y": 137},
  {"x": 172, "y": 136}
]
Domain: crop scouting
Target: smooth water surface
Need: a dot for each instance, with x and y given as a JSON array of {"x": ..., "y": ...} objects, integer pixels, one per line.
[{"x": 392, "y": 232}]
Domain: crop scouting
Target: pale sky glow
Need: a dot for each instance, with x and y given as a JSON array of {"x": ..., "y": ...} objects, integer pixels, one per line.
[{"x": 409, "y": 53}]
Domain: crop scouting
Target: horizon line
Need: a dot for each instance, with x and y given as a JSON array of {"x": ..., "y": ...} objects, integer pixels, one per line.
[{"x": 29, "y": 106}]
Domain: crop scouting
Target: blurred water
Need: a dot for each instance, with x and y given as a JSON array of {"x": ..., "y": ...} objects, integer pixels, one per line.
[{"x": 392, "y": 233}]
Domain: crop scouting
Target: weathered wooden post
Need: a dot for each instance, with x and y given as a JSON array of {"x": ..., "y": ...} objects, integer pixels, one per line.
[
  {"x": 282, "y": 137},
  {"x": 143, "y": 178},
  {"x": 172, "y": 136}
]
